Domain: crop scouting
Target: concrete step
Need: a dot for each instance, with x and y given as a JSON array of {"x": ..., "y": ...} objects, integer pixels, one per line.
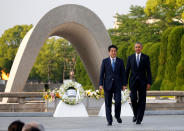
[{"x": 50, "y": 114}]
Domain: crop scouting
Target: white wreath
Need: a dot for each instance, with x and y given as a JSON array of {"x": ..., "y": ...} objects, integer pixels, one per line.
[
  {"x": 69, "y": 96},
  {"x": 124, "y": 96}
]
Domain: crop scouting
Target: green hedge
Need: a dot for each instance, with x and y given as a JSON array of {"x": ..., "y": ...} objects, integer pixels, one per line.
[
  {"x": 130, "y": 50},
  {"x": 173, "y": 57},
  {"x": 81, "y": 74},
  {"x": 122, "y": 50},
  {"x": 152, "y": 50},
  {"x": 162, "y": 59},
  {"x": 146, "y": 47},
  {"x": 180, "y": 69},
  {"x": 154, "y": 58}
]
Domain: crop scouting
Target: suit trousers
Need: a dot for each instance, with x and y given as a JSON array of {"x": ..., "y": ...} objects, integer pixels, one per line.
[
  {"x": 108, "y": 102},
  {"x": 138, "y": 99}
]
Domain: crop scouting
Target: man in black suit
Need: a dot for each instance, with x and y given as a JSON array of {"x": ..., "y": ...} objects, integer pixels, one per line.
[
  {"x": 112, "y": 80},
  {"x": 139, "y": 82}
]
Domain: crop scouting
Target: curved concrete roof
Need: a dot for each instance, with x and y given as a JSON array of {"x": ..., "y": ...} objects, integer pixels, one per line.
[{"x": 75, "y": 23}]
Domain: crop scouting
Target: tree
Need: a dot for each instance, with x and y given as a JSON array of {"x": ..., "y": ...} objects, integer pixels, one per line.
[
  {"x": 133, "y": 27},
  {"x": 173, "y": 57},
  {"x": 122, "y": 50},
  {"x": 5, "y": 64},
  {"x": 9, "y": 43},
  {"x": 180, "y": 69},
  {"x": 82, "y": 76},
  {"x": 162, "y": 59},
  {"x": 169, "y": 12},
  {"x": 54, "y": 62},
  {"x": 152, "y": 50}
]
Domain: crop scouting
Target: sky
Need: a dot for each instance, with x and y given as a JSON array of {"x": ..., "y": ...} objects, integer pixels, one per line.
[{"x": 18, "y": 12}]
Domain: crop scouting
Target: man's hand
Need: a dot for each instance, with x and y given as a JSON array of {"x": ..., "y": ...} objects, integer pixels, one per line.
[
  {"x": 100, "y": 88},
  {"x": 148, "y": 87},
  {"x": 124, "y": 87}
]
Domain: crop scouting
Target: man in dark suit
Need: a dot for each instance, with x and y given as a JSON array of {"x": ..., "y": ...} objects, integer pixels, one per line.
[
  {"x": 139, "y": 82},
  {"x": 112, "y": 80}
]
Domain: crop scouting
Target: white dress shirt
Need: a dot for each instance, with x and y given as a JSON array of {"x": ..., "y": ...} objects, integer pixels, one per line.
[
  {"x": 112, "y": 59},
  {"x": 139, "y": 56}
]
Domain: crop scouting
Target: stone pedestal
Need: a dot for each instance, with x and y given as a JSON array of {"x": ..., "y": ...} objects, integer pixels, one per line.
[
  {"x": 126, "y": 110},
  {"x": 66, "y": 110}
]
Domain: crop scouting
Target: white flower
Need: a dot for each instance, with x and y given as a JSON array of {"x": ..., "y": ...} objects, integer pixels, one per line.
[{"x": 78, "y": 87}]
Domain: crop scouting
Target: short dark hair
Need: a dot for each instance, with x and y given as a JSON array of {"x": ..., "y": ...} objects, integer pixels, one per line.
[
  {"x": 112, "y": 46},
  {"x": 138, "y": 43},
  {"x": 16, "y": 126}
]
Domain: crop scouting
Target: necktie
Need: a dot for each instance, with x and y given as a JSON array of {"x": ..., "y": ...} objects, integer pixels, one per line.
[
  {"x": 138, "y": 60},
  {"x": 113, "y": 64}
]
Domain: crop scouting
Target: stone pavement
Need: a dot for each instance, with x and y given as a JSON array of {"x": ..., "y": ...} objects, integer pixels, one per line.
[{"x": 94, "y": 123}]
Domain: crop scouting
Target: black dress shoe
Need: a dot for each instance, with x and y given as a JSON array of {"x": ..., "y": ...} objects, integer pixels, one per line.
[
  {"x": 119, "y": 120},
  {"x": 138, "y": 122},
  {"x": 109, "y": 124},
  {"x": 134, "y": 119}
]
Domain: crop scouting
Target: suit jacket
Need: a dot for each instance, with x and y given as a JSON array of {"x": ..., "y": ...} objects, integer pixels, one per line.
[
  {"x": 143, "y": 72},
  {"x": 107, "y": 76}
]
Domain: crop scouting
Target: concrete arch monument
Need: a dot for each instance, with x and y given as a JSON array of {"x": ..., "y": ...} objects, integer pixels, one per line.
[{"x": 75, "y": 23}]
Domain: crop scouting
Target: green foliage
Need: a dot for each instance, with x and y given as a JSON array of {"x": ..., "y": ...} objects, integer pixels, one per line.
[
  {"x": 122, "y": 50},
  {"x": 5, "y": 64},
  {"x": 133, "y": 27},
  {"x": 165, "y": 53},
  {"x": 180, "y": 75},
  {"x": 89, "y": 87},
  {"x": 81, "y": 75},
  {"x": 56, "y": 56},
  {"x": 13, "y": 36},
  {"x": 162, "y": 59},
  {"x": 130, "y": 50},
  {"x": 146, "y": 47},
  {"x": 169, "y": 12},
  {"x": 9, "y": 43},
  {"x": 173, "y": 57},
  {"x": 180, "y": 69},
  {"x": 152, "y": 50}
]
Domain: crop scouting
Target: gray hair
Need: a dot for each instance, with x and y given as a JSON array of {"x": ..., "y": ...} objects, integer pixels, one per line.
[
  {"x": 33, "y": 125},
  {"x": 138, "y": 43}
]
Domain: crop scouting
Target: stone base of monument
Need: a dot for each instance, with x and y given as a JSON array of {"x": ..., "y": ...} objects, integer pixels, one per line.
[
  {"x": 28, "y": 107},
  {"x": 126, "y": 110},
  {"x": 66, "y": 110}
]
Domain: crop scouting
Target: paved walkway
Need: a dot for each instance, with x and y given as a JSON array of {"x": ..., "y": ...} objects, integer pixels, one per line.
[{"x": 150, "y": 123}]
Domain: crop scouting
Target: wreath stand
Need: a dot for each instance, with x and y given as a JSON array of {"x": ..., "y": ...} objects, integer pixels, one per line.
[
  {"x": 126, "y": 110},
  {"x": 66, "y": 110}
]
